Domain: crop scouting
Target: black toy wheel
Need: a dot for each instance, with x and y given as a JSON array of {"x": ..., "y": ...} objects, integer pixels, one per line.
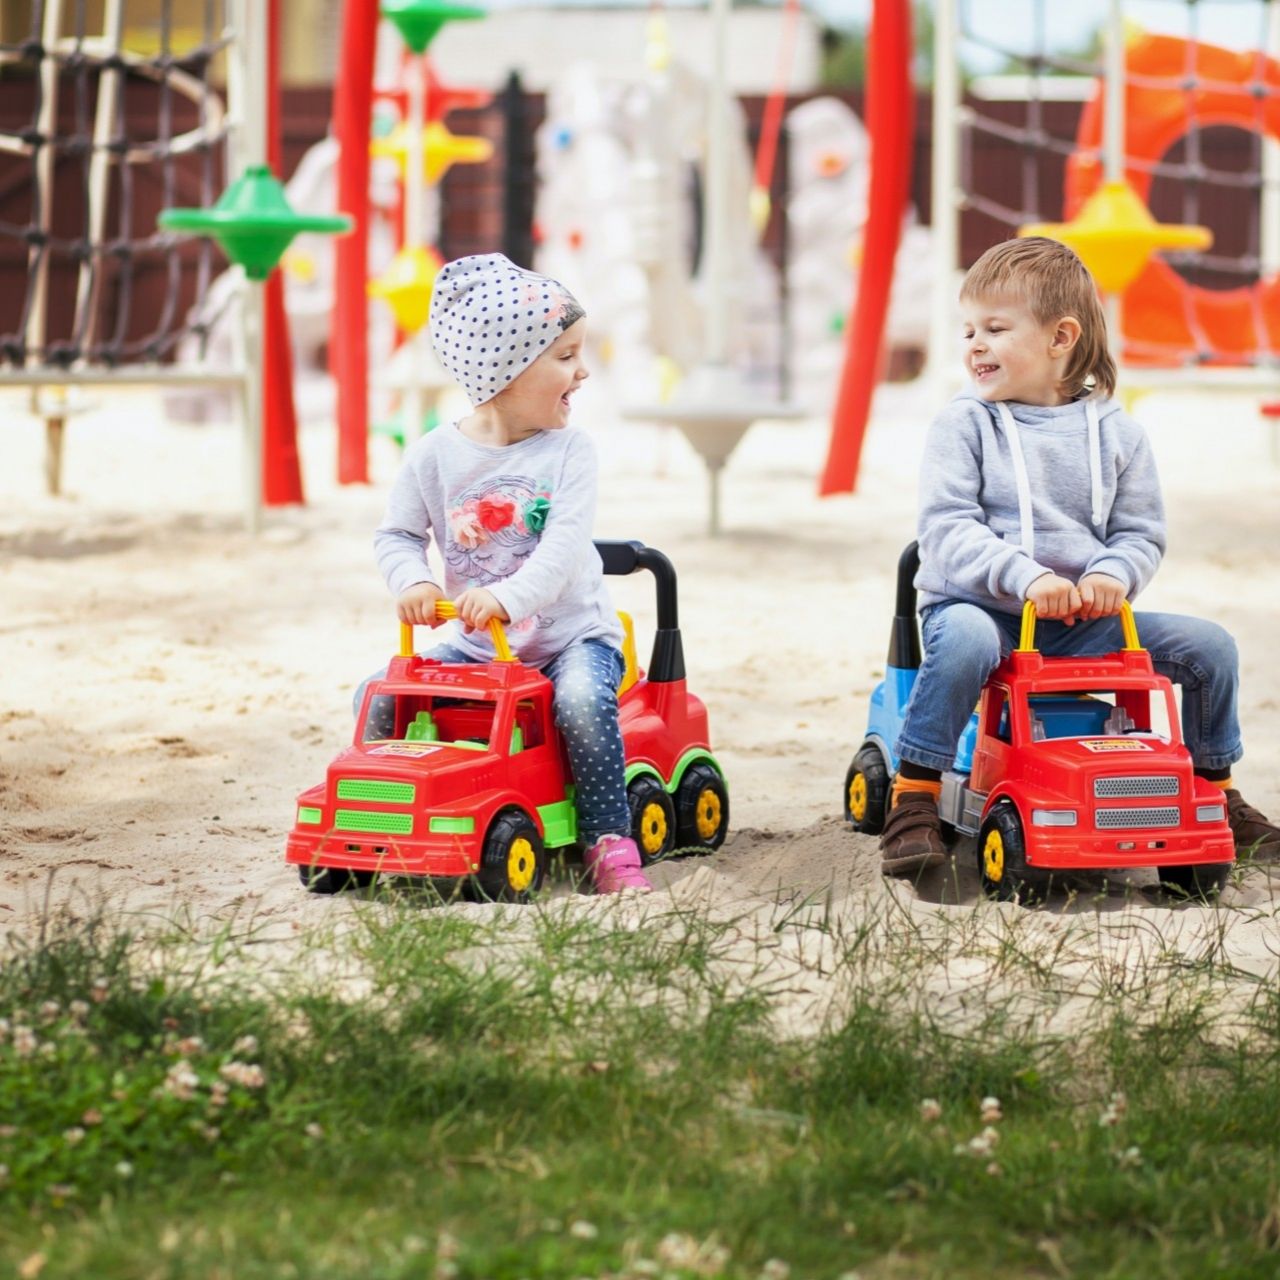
[
  {"x": 866, "y": 791},
  {"x": 702, "y": 808},
  {"x": 653, "y": 818},
  {"x": 333, "y": 879},
  {"x": 1002, "y": 858},
  {"x": 513, "y": 861},
  {"x": 1202, "y": 880}
]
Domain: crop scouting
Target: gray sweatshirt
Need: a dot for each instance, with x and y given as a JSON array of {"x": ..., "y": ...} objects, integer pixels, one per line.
[
  {"x": 1009, "y": 492},
  {"x": 515, "y": 519}
]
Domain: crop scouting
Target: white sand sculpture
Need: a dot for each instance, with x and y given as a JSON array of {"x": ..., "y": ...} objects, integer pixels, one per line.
[{"x": 826, "y": 213}]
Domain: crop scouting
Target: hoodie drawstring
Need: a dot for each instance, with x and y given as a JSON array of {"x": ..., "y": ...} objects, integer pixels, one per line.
[
  {"x": 1095, "y": 462},
  {"x": 1027, "y": 531},
  {"x": 1027, "y": 528}
]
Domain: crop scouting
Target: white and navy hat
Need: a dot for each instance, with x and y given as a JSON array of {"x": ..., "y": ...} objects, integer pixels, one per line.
[{"x": 490, "y": 320}]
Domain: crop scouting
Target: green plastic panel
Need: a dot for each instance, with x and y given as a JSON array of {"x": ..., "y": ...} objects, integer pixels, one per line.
[
  {"x": 453, "y": 826},
  {"x": 396, "y": 824},
  {"x": 372, "y": 789},
  {"x": 559, "y": 823},
  {"x": 307, "y": 814}
]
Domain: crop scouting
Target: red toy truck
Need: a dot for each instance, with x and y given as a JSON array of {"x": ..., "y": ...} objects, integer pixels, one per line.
[
  {"x": 476, "y": 783},
  {"x": 1070, "y": 764}
]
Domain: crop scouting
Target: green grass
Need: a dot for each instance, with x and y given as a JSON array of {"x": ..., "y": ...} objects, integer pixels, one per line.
[{"x": 556, "y": 1092}]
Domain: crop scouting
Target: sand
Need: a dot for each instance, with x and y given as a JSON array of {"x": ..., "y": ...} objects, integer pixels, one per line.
[{"x": 168, "y": 683}]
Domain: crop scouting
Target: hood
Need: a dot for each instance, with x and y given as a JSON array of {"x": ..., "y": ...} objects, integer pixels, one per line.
[{"x": 1009, "y": 415}]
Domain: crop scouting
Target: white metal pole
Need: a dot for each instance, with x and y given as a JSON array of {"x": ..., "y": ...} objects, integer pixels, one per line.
[
  {"x": 1270, "y": 212},
  {"x": 717, "y": 187},
  {"x": 247, "y": 82},
  {"x": 946, "y": 193},
  {"x": 1113, "y": 143},
  {"x": 46, "y": 124}
]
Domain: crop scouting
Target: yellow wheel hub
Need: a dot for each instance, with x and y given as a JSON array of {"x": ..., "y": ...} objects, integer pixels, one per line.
[
  {"x": 653, "y": 828},
  {"x": 709, "y": 813},
  {"x": 858, "y": 797},
  {"x": 993, "y": 857},
  {"x": 521, "y": 864}
]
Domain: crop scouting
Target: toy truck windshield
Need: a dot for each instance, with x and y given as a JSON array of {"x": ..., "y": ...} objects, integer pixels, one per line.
[{"x": 1092, "y": 714}]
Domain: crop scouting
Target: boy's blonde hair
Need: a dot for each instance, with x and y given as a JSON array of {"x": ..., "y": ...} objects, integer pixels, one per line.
[{"x": 1052, "y": 281}]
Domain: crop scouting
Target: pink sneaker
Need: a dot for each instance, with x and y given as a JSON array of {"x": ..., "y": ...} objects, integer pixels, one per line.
[{"x": 613, "y": 863}]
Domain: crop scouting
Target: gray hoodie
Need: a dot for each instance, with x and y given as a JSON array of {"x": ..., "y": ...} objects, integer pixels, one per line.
[{"x": 1009, "y": 492}]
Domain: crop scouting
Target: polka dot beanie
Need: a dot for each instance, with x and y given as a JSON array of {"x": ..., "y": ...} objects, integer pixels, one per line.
[{"x": 490, "y": 320}]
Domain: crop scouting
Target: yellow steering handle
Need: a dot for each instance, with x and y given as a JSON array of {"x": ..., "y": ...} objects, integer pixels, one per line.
[
  {"x": 1027, "y": 640},
  {"x": 446, "y": 609}
]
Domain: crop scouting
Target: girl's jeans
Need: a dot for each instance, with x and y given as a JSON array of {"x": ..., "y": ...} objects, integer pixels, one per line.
[
  {"x": 964, "y": 642},
  {"x": 585, "y": 676}
]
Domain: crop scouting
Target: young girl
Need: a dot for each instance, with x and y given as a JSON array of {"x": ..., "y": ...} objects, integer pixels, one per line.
[
  {"x": 509, "y": 494},
  {"x": 1036, "y": 486}
]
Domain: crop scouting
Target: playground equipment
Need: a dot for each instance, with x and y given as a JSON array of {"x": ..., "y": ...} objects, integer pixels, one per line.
[
  {"x": 715, "y": 405},
  {"x": 100, "y": 258},
  {"x": 1154, "y": 97},
  {"x": 890, "y": 112},
  {"x": 424, "y": 149}
]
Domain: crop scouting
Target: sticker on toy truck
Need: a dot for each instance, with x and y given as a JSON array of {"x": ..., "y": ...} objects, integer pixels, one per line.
[
  {"x": 1103, "y": 745},
  {"x": 404, "y": 749}
]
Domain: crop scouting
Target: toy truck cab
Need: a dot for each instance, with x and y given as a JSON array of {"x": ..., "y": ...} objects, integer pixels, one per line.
[
  {"x": 1068, "y": 764},
  {"x": 474, "y": 780}
]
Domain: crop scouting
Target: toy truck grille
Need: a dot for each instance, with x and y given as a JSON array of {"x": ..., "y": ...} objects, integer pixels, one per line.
[
  {"x": 1154, "y": 816},
  {"x": 1157, "y": 784}
]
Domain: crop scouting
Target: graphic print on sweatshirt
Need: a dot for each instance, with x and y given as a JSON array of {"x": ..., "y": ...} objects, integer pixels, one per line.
[{"x": 494, "y": 527}]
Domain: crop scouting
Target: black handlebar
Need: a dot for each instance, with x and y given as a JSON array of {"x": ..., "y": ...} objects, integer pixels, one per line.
[{"x": 622, "y": 558}]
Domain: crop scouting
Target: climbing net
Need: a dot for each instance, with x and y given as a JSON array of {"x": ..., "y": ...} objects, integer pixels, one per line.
[
  {"x": 107, "y": 133},
  {"x": 1197, "y": 137}
]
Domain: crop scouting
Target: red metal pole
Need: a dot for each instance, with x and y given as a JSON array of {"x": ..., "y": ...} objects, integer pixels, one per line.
[
  {"x": 890, "y": 112},
  {"x": 348, "y": 341},
  {"x": 281, "y": 470}
]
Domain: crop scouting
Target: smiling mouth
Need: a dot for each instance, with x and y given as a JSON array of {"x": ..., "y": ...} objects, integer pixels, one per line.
[{"x": 982, "y": 370}]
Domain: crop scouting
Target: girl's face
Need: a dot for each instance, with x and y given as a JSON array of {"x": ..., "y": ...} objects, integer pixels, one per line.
[
  {"x": 1010, "y": 355},
  {"x": 538, "y": 399}
]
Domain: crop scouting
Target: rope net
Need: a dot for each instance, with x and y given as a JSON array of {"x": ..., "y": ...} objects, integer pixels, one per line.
[
  {"x": 1202, "y": 107},
  {"x": 98, "y": 131}
]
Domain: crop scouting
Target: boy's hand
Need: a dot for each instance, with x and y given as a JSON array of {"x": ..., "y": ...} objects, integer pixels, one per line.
[
  {"x": 418, "y": 604},
  {"x": 1055, "y": 597},
  {"x": 476, "y": 606},
  {"x": 1100, "y": 595}
]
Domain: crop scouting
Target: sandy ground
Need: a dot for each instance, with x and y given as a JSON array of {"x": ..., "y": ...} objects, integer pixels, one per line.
[{"x": 168, "y": 683}]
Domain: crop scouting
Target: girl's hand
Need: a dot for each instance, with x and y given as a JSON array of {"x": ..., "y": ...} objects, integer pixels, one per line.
[
  {"x": 476, "y": 607},
  {"x": 1100, "y": 595},
  {"x": 1055, "y": 597},
  {"x": 418, "y": 605}
]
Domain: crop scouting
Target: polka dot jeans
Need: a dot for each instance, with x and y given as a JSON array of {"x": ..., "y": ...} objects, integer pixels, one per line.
[{"x": 585, "y": 677}]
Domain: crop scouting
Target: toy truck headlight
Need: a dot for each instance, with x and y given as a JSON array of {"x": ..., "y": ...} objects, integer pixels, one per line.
[
  {"x": 1211, "y": 812},
  {"x": 1053, "y": 817},
  {"x": 309, "y": 815}
]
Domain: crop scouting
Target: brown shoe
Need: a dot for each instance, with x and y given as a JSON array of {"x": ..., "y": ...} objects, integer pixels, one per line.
[
  {"x": 1254, "y": 834},
  {"x": 912, "y": 837}
]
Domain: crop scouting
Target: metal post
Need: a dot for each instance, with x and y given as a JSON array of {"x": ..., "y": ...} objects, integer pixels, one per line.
[
  {"x": 1113, "y": 144},
  {"x": 717, "y": 187},
  {"x": 247, "y": 86},
  {"x": 946, "y": 193}
]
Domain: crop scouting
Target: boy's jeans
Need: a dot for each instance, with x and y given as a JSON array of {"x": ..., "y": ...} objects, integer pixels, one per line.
[
  {"x": 586, "y": 676},
  {"x": 964, "y": 642}
]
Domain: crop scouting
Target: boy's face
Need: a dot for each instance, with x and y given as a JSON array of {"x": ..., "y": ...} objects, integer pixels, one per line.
[
  {"x": 1009, "y": 354},
  {"x": 539, "y": 397}
]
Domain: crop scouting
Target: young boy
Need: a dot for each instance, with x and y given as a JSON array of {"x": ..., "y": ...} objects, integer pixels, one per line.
[{"x": 1036, "y": 486}]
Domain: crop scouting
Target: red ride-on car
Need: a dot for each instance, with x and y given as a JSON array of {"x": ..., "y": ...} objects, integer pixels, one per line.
[
  {"x": 1068, "y": 764},
  {"x": 1080, "y": 765},
  {"x": 476, "y": 782}
]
